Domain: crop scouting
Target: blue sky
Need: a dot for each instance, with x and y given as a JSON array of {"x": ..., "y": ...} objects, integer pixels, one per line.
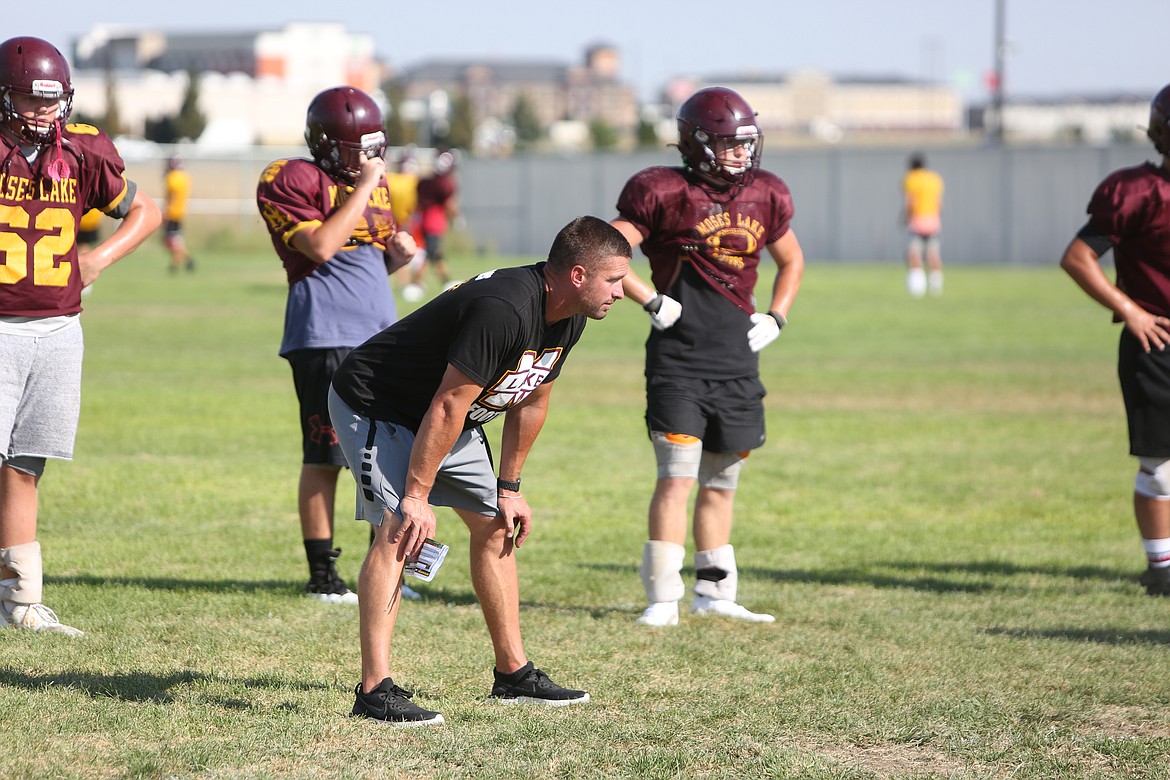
[{"x": 1055, "y": 47}]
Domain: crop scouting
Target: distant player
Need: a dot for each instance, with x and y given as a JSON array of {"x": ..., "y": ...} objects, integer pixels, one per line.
[
  {"x": 53, "y": 174},
  {"x": 437, "y": 206},
  {"x": 703, "y": 227},
  {"x": 178, "y": 190},
  {"x": 1129, "y": 213},
  {"x": 403, "y": 185},
  {"x": 89, "y": 230},
  {"x": 922, "y": 191},
  {"x": 332, "y": 227},
  {"x": 88, "y": 236}
]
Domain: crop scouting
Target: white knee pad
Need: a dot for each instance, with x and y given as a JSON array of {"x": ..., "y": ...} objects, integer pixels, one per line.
[
  {"x": 716, "y": 575},
  {"x": 661, "y": 571},
  {"x": 677, "y": 454},
  {"x": 720, "y": 470},
  {"x": 26, "y": 586},
  {"x": 1153, "y": 478}
]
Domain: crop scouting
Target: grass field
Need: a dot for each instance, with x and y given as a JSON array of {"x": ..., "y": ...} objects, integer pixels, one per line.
[{"x": 940, "y": 521}]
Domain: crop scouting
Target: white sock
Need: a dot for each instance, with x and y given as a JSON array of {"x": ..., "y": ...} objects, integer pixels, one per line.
[
  {"x": 916, "y": 282},
  {"x": 1157, "y": 552},
  {"x": 936, "y": 282}
]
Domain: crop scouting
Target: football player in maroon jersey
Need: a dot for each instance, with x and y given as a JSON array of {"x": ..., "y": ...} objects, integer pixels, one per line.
[
  {"x": 51, "y": 173},
  {"x": 703, "y": 227},
  {"x": 1129, "y": 213},
  {"x": 332, "y": 227}
]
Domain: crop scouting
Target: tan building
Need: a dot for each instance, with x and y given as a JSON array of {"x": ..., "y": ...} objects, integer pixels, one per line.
[{"x": 814, "y": 105}]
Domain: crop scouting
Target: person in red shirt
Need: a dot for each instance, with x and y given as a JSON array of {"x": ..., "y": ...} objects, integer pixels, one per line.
[
  {"x": 51, "y": 174},
  {"x": 437, "y": 206},
  {"x": 1129, "y": 213}
]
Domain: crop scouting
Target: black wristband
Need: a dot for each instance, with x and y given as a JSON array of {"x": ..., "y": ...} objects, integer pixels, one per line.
[
  {"x": 781, "y": 320},
  {"x": 654, "y": 304},
  {"x": 503, "y": 484}
]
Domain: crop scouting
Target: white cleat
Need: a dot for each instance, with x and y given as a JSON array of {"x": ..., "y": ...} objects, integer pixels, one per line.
[
  {"x": 34, "y": 617},
  {"x": 705, "y": 605},
  {"x": 659, "y": 614}
]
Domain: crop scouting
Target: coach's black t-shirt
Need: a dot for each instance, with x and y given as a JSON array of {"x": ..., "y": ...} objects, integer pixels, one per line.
[{"x": 492, "y": 328}]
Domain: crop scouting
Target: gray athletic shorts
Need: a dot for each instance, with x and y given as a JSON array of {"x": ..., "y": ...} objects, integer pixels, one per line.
[
  {"x": 40, "y": 393},
  {"x": 378, "y": 454}
]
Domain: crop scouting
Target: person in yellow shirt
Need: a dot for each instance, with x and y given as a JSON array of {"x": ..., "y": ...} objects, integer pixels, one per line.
[
  {"x": 178, "y": 189},
  {"x": 88, "y": 236},
  {"x": 923, "y": 191},
  {"x": 403, "y": 186},
  {"x": 87, "y": 230}
]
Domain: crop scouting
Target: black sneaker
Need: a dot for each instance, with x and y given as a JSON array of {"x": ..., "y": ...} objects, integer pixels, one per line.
[
  {"x": 325, "y": 584},
  {"x": 530, "y": 684},
  {"x": 391, "y": 705},
  {"x": 1156, "y": 581}
]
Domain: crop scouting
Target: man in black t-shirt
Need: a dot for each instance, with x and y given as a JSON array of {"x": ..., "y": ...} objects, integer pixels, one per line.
[{"x": 408, "y": 407}]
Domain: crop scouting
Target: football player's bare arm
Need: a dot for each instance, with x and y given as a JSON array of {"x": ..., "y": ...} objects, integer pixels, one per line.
[
  {"x": 440, "y": 428},
  {"x": 522, "y": 425},
  {"x": 789, "y": 259},
  {"x": 142, "y": 218},
  {"x": 1081, "y": 263},
  {"x": 321, "y": 242},
  {"x": 635, "y": 289}
]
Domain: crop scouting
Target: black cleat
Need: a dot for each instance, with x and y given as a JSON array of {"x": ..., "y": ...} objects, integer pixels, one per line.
[{"x": 1156, "y": 581}]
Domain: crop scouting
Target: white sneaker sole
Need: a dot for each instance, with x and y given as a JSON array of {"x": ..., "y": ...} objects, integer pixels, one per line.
[
  {"x": 742, "y": 614},
  {"x": 545, "y": 702},
  {"x": 335, "y": 598}
]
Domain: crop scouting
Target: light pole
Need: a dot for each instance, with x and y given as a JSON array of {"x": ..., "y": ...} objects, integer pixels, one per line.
[{"x": 1000, "y": 58}]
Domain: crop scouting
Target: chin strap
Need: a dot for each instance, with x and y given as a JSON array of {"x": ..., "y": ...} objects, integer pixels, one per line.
[{"x": 59, "y": 169}]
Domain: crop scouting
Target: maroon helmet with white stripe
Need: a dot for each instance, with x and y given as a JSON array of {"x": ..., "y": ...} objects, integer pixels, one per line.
[{"x": 33, "y": 68}]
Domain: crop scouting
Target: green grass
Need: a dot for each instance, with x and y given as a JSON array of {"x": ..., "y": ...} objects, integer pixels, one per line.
[{"x": 940, "y": 521}]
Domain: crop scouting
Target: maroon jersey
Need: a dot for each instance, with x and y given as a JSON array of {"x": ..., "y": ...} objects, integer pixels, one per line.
[
  {"x": 701, "y": 241},
  {"x": 433, "y": 194},
  {"x": 1132, "y": 207},
  {"x": 295, "y": 194},
  {"x": 435, "y": 190},
  {"x": 683, "y": 221},
  {"x": 39, "y": 276}
]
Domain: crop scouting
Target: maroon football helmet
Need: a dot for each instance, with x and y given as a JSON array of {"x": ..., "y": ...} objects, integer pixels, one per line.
[
  {"x": 344, "y": 125},
  {"x": 713, "y": 114},
  {"x": 1159, "y": 129},
  {"x": 35, "y": 68}
]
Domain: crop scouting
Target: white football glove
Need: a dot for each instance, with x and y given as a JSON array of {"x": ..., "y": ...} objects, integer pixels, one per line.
[
  {"x": 664, "y": 311},
  {"x": 765, "y": 329}
]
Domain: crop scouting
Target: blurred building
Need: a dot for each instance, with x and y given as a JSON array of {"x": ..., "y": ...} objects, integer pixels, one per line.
[
  {"x": 253, "y": 86},
  {"x": 558, "y": 92},
  {"x": 1091, "y": 119},
  {"x": 812, "y": 105}
]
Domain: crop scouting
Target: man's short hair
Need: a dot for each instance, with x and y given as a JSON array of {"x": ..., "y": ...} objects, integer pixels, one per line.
[{"x": 586, "y": 241}]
